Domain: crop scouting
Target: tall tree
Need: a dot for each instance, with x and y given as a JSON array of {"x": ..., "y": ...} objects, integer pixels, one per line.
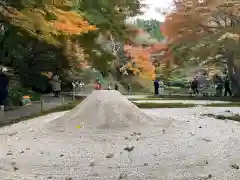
[{"x": 206, "y": 32}]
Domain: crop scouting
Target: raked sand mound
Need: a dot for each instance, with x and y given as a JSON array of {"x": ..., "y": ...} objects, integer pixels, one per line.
[{"x": 104, "y": 109}]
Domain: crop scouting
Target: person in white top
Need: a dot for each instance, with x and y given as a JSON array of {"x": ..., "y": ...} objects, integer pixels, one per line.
[
  {"x": 161, "y": 87},
  {"x": 81, "y": 85}
]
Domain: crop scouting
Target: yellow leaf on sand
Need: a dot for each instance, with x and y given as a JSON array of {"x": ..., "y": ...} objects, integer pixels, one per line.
[{"x": 78, "y": 127}]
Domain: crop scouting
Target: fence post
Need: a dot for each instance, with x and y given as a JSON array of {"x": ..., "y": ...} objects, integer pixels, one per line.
[
  {"x": 62, "y": 100},
  {"x": 41, "y": 103},
  {"x": 74, "y": 90}
]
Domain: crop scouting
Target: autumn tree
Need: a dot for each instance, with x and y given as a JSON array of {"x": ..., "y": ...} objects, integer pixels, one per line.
[
  {"x": 206, "y": 33},
  {"x": 109, "y": 16},
  {"x": 33, "y": 36}
]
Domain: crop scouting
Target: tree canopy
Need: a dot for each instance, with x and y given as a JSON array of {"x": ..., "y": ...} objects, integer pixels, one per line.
[
  {"x": 205, "y": 33},
  {"x": 55, "y": 35}
]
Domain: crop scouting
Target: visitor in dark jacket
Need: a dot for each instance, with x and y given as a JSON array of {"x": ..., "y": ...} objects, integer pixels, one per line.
[
  {"x": 194, "y": 86},
  {"x": 116, "y": 87},
  {"x": 227, "y": 89},
  {"x": 3, "y": 87},
  {"x": 156, "y": 87}
]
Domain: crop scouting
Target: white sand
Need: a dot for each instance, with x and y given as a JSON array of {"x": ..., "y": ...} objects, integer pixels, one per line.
[{"x": 30, "y": 151}]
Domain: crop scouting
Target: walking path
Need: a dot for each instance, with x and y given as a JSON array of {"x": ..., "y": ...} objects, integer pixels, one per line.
[{"x": 48, "y": 102}]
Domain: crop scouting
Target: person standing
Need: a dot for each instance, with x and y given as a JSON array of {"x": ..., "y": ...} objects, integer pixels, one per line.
[
  {"x": 81, "y": 85},
  {"x": 56, "y": 82},
  {"x": 161, "y": 87},
  {"x": 129, "y": 89},
  {"x": 227, "y": 89},
  {"x": 116, "y": 87},
  {"x": 109, "y": 87},
  {"x": 156, "y": 87},
  {"x": 3, "y": 87},
  {"x": 194, "y": 86},
  {"x": 98, "y": 85}
]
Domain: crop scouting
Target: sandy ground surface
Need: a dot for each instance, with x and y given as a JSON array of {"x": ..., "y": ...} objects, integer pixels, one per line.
[
  {"x": 191, "y": 147},
  {"x": 201, "y": 102}
]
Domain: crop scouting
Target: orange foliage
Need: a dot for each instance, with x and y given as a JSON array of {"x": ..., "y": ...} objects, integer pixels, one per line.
[
  {"x": 141, "y": 64},
  {"x": 71, "y": 23}
]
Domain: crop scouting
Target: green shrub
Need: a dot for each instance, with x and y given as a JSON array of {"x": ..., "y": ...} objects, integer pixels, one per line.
[{"x": 15, "y": 95}]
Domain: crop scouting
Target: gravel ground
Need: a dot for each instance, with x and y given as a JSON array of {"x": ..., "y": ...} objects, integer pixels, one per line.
[{"x": 191, "y": 147}]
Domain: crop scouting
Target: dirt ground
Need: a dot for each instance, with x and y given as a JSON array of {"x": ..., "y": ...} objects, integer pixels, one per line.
[{"x": 190, "y": 147}]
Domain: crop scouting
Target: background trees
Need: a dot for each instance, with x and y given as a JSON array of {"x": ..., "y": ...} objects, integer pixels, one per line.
[
  {"x": 65, "y": 36},
  {"x": 207, "y": 34}
]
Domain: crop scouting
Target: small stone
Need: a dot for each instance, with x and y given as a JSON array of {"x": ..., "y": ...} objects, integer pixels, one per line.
[
  {"x": 228, "y": 111},
  {"x": 92, "y": 164},
  {"x": 164, "y": 131},
  {"x": 126, "y": 138},
  {"x": 15, "y": 168},
  {"x": 139, "y": 134},
  {"x": 9, "y": 153},
  {"x": 145, "y": 164},
  {"x": 131, "y": 134},
  {"x": 209, "y": 176},
  {"x": 13, "y": 163},
  {"x": 199, "y": 127},
  {"x": 49, "y": 177},
  {"x": 206, "y": 162},
  {"x": 68, "y": 178},
  {"x": 27, "y": 149},
  {"x": 22, "y": 152},
  {"x": 61, "y": 155},
  {"x": 129, "y": 148},
  {"x": 34, "y": 138},
  {"x": 12, "y": 134},
  {"x": 207, "y": 140},
  {"x": 234, "y": 166},
  {"x": 137, "y": 139},
  {"x": 122, "y": 176},
  {"x": 95, "y": 174},
  {"x": 110, "y": 156}
]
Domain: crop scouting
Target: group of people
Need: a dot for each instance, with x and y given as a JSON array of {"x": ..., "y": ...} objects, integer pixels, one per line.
[
  {"x": 219, "y": 86},
  {"x": 98, "y": 86},
  {"x": 78, "y": 85},
  {"x": 115, "y": 87},
  {"x": 56, "y": 85}
]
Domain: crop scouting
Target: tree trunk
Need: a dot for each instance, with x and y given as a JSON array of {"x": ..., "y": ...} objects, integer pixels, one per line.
[
  {"x": 234, "y": 75},
  {"x": 235, "y": 78}
]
